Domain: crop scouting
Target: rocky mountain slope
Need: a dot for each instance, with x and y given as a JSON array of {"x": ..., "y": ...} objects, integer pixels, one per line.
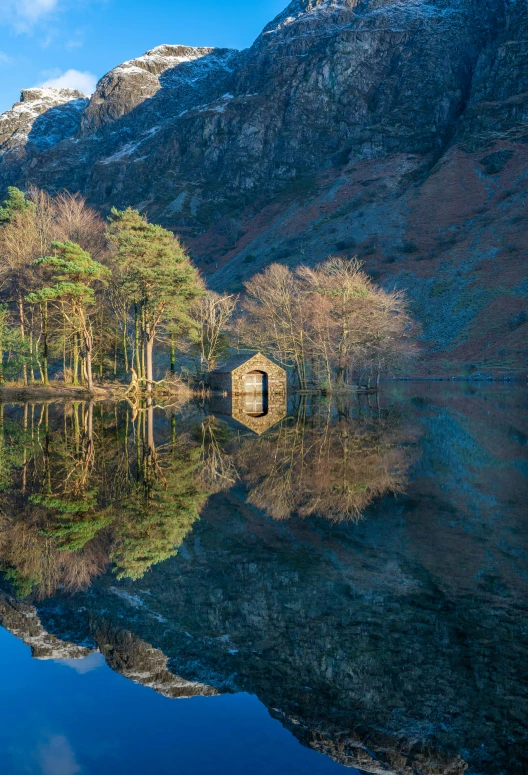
[
  {"x": 391, "y": 130},
  {"x": 42, "y": 118}
]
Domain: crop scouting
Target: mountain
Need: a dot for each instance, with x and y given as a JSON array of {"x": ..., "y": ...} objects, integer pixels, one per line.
[
  {"x": 42, "y": 119},
  {"x": 393, "y": 130}
]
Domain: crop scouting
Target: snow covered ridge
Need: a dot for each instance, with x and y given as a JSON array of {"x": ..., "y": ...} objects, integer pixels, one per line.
[
  {"x": 161, "y": 58},
  {"x": 57, "y": 96},
  {"x": 182, "y": 69},
  {"x": 117, "y": 93},
  {"x": 33, "y": 102},
  {"x": 310, "y": 13},
  {"x": 17, "y": 126}
]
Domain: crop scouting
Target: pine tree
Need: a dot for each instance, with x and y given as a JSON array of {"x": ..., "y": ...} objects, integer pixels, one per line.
[
  {"x": 157, "y": 277},
  {"x": 16, "y": 202},
  {"x": 19, "y": 242},
  {"x": 73, "y": 272}
]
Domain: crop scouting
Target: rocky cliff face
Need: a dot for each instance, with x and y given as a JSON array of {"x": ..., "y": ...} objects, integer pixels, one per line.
[
  {"x": 42, "y": 118},
  {"x": 390, "y": 130}
]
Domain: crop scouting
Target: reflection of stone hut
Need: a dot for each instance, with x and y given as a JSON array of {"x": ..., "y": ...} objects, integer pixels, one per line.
[
  {"x": 246, "y": 410},
  {"x": 249, "y": 374}
]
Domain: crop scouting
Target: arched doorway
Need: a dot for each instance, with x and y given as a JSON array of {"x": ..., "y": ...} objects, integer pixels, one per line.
[
  {"x": 256, "y": 382},
  {"x": 256, "y": 393}
]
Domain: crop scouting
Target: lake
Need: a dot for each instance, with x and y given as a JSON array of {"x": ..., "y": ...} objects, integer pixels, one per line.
[{"x": 228, "y": 587}]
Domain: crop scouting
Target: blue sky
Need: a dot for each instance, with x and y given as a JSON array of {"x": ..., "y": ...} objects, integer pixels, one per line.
[{"x": 75, "y": 42}]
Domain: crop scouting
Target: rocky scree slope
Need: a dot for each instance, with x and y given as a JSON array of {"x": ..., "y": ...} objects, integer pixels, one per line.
[{"x": 391, "y": 130}]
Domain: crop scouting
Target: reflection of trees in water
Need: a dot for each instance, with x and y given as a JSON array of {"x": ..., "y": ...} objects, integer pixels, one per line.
[
  {"x": 161, "y": 506},
  {"x": 84, "y": 487},
  {"x": 50, "y": 529},
  {"x": 218, "y": 470},
  {"x": 332, "y": 461}
]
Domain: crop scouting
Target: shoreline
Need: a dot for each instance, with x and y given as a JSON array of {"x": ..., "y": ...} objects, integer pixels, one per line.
[
  {"x": 109, "y": 392},
  {"x": 113, "y": 392},
  {"x": 55, "y": 391}
]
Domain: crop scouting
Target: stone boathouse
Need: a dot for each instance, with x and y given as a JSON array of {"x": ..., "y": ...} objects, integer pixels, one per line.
[{"x": 249, "y": 373}]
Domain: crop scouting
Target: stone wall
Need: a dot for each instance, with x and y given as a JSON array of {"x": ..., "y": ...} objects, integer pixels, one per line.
[{"x": 276, "y": 375}]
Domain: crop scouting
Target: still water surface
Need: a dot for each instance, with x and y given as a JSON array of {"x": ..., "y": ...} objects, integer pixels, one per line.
[{"x": 312, "y": 588}]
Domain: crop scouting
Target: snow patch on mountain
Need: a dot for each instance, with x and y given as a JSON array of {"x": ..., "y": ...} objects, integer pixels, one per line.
[
  {"x": 17, "y": 124},
  {"x": 303, "y": 17},
  {"x": 180, "y": 71}
]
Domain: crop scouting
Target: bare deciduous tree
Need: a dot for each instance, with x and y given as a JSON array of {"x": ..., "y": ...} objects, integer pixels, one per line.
[
  {"x": 328, "y": 322},
  {"x": 211, "y": 314}
]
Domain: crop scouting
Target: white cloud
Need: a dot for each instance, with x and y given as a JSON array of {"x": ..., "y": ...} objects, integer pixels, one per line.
[
  {"x": 23, "y": 14},
  {"x": 5, "y": 59},
  {"x": 73, "y": 79}
]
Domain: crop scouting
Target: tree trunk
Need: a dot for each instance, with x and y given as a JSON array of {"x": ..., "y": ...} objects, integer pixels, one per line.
[
  {"x": 143, "y": 360},
  {"x": 75, "y": 364},
  {"x": 22, "y": 336},
  {"x": 172, "y": 355},
  {"x": 45, "y": 344},
  {"x": 136, "y": 342},
  {"x": 125, "y": 348},
  {"x": 143, "y": 348},
  {"x": 24, "y": 470},
  {"x": 150, "y": 428},
  {"x": 134, "y": 384},
  {"x": 88, "y": 347},
  {"x": 76, "y": 427},
  {"x": 89, "y": 423},
  {"x": 31, "y": 352},
  {"x": 88, "y": 363},
  {"x": 150, "y": 374},
  {"x": 138, "y": 448}
]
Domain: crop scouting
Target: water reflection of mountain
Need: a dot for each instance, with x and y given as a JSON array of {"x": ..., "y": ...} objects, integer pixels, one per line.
[
  {"x": 397, "y": 644},
  {"x": 124, "y": 652}
]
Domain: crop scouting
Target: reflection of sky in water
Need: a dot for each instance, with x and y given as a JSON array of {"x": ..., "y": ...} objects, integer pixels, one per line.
[
  {"x": 63, "y": 722},
  {"x": 56, "y": 757},
  {"x": 83, "y": 664}
]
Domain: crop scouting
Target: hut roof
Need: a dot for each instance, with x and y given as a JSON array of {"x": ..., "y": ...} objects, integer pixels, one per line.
[{"x": 235, "y": 361}]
